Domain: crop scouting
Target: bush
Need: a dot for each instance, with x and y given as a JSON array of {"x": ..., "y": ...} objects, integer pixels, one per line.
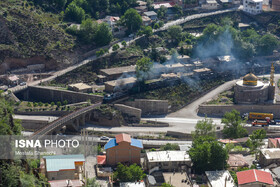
[
  {"x": 58, "y": 104},
  {"x": 46, "y": 104},
  {"x": 170, "y": 146},
  {"x": 100, "y": 52},
  {"x": 35, "y": 104},
  {"x": 74, "y": 13},
  {"x": 40, "y": 104},
  {"x": 52, "y": 103},
  {"x": 65, "y": 102},
  {"x": 124, "y": 43},
  {"x": 116, "y": 47},
  {"x": 29, "y": 104}
]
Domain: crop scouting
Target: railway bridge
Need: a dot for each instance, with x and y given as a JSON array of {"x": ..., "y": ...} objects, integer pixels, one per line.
[{"x": 71, "y": 121}]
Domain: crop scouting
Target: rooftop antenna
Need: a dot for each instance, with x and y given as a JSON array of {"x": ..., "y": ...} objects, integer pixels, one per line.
[{"x": 272, "y": 75}]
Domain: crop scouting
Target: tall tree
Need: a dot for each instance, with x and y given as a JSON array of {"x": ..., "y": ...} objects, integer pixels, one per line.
[
  {"x": 233, "y": 125},
  {"x": 74, "y": 13},
  {"x": 132, "y": 20},
  {"x": 256, "y": 139},
  {"x": 104, "y": 34},
  {"x": 205, "y": 127},
  {"x": 143, "y": 66}
]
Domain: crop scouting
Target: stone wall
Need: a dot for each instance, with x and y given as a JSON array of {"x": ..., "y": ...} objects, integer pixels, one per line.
[
  {"x": 130, "y": 111},
  {"x": 33, "y": 125},
  {"x": 45, "y": 94},
  {"x": 220, "y": 110},
  {"x": 150, "y": 107}
]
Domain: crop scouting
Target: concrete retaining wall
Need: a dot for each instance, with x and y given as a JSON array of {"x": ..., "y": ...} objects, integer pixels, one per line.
[
  {"x": 45, "y": 94},
  {"x": 33, "y": 125},
  {"x": 44, "y": 113},
  {"x": 131, "y": 111},
  {"x": 220, "y": 110},
  {"x": 150, "y": 107}
]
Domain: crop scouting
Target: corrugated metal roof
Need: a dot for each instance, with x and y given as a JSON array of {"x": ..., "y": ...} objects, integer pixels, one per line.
[
  {"x": 110, "y": 144},
  {"x": 253, "y": 175},
  {"x": 136, "y": 143},
  {"x": 113, "y": 143},
  {"x": 62, "y": 162}
]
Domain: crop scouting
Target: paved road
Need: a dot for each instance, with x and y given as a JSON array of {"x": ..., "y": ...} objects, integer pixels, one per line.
[
  {"x": 185, "y": 125},
  {"x": 32, "y": 117}
]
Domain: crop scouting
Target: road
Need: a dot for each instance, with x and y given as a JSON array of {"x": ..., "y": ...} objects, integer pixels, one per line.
[
  {"x": 183, "y": 120},
  {"x": 128, "y": 40},
  {"x": 33, "y": 117}
]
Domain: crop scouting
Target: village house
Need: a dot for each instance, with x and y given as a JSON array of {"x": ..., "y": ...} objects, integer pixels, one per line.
[
  {"x": 273, "y": 143},
  {"x": 269, "y": 156},
  {"x": 115, "y": 73},
  {"x": 220, "y": 178},
  {"x": 146, "y": 20},
  {"x": 167, "y": 161},
  {"x": 123, "y": 149},
  {"x": 80, "y": 87},
  {"x": 236, "y": 161},
  {"x": 256, "y": 178},
  {"x": 60, "y": 167},
  {"x": 209, "y": 4},
  {"x": 252, "y": 6},
  {"x": 151, "y": 14},
  {"x": 120, "y": 85}
]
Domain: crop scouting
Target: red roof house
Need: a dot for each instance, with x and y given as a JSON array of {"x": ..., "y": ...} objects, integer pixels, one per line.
[
  {"x": 101, "y": 159},
  {"x": 273, "y": 142},
  {"x": 254, "y": 178}
]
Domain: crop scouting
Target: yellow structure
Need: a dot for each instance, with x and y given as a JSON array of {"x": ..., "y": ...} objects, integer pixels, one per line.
[
  {"x": 272, "y": 75},
  {"x": 250, "y": 79},
  {"x": 263, "y": 116}
]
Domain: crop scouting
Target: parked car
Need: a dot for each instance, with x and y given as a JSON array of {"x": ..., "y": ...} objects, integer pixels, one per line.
[
  {"x": 104, "y": 138},
  {"x": 22, "y": 84}
]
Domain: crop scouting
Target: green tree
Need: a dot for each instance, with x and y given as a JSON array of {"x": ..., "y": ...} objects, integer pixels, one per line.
[
  {"x": 161, "y": 12},
  {"x": 143, "y": 66},
  {"x": 256, "y": 139},
  {"x": 58, "y": 104},
  {"x": 88, "y": 30},
  {"x": 233, "y": 125},
  {"x": 175, "y": 32},
  {"x": 132, "y": 20},
  {"x": 169, "y": 146},
  {"x": 124, "y": 43},
  {"x": 148, "y": 31},
  {"x": 74, "y": 13},
  {"x": 128, "y": 174},
  {"x": 40, "y": 104},
  {"x": 92, "y": 183},
  {"x": 52, "y": 104},
  {"x": 267, "y": 44},
  {"x": 104, "y": 34},
  {"x": 207, "y": 154},
  {"x": 35, "y": 104},
  {"x": 115, "y": 47},
  {"x": 65, "y": 102},
  {"x": 204, "y": 127}
]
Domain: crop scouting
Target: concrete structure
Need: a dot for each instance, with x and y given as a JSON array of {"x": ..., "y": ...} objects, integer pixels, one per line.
[
  {"x": 256, "y": 178},
  {"x": 134, "y": 114},
  {"x": 123, "y": 149},
  {"x": 151, "y": 14},
  {"x": 46, "y": 94},
  {"x": 150, "y": 107},
  {"x": 61, "y": 167},
  {"x": 252, "y": 6},
  {"x": 115, "y": 73},
  {"x": 34, "y": 123},
  {"x": 236, "y": 161},
  {"x": 167, "y": 160},
  {"x": 219, "y": 178},
  {"x": 252, "y": 91},
  {"x": 120, "y": 85},
  {"x": 60, "y": 183},
  {"x": 220, "y": 110},
  {"x": 80, "y": 87},
  {"x": 269, "y": 156}
]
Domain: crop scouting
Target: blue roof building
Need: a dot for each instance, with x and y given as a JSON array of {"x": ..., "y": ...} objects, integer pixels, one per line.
[{"x": 123, "y": 149}]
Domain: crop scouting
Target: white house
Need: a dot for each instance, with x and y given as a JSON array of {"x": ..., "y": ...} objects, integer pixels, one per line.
[{"x": 252, "y": 6}]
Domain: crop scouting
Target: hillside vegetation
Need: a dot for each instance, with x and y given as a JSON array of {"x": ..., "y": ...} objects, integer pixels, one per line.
[{"x": 27, "y": 31}]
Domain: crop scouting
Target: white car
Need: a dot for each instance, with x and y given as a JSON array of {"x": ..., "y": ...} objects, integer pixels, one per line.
[
  {"x": 22, "y": 84},
  {"x": 104, "y": 138}
]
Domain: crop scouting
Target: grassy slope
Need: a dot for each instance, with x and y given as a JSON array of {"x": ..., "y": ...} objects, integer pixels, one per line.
[{"x": 28, "y": 31}]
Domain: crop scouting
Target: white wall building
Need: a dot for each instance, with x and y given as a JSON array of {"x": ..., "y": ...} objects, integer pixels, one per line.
[{"x": 252, "y": 6}]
